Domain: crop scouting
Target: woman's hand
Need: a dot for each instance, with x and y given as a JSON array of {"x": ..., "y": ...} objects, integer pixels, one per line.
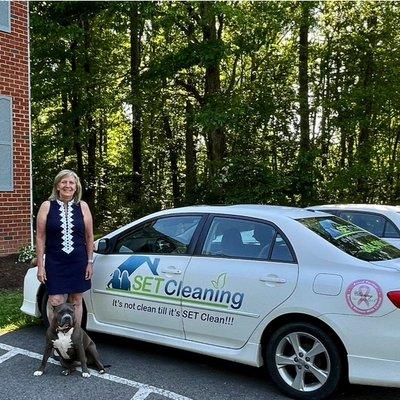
[
  {"x": 41, "y": 275},
  {"x": 89, "y": 271}
]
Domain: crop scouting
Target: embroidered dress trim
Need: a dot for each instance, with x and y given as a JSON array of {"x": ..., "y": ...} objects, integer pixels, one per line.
[{"x": 67, "y": 225}]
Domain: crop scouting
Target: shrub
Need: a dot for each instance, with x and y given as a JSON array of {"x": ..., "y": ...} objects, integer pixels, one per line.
[{"x": 26, "y": 253}]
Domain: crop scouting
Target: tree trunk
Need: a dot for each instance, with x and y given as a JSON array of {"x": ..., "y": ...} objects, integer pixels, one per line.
[
  {"x": 135, "y": 38},
  {"x": 303, "y": 80},
  {"x": 190, "y": 157},
  {"x": 173, "y": 158},
  {"x": 91, "y": 129},
  {"x": 66, "y": 126},
  {"x": 216, "y": 136},
  {"x": 91, "y": 163},
  {"x": 305, "y": 161},
  {"x": 76, "y": 120},
  {"x": 393, "y": 171},
  {"x": 395, "y": 174},
  {"x": 103, "y": 174},
  {"x": 325, "y": 118},
  {"x": 364, "y": 139},
  {"x": 341, "y": 118}
]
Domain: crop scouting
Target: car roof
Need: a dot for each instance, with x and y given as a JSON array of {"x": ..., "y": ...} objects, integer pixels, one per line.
[
  {"x": 277, "y": 213},
  {"x": 357, "y": 207},
  {"x": 251, "y": 210}
]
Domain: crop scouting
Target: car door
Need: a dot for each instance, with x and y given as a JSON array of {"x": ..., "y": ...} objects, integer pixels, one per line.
[
  {"x": 128, "y": 285},
  {"x": 244, "y": 269}
]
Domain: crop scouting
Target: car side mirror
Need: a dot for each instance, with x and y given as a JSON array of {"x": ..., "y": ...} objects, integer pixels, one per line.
[{"x": 103, "y": 246}]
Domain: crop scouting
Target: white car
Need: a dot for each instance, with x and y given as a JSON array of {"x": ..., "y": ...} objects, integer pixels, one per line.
[
  {"x": 312, "y": 296},
  {"x": 381, "y": 220}
]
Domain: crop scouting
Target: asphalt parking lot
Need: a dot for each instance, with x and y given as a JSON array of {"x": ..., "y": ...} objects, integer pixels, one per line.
[{"x": 140, "y": 371}]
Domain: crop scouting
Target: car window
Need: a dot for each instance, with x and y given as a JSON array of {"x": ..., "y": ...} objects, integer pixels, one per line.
[
  {"x": 281, "y": 251},
  {"x": 170, "y": 235},
  {"x": 333, "y": 212},
  {"x": 370, "y": 222},
  {"x": 239, "y": 238},
  {"x": 390, "y": 230},
  {"x": 351, "y": 239}
]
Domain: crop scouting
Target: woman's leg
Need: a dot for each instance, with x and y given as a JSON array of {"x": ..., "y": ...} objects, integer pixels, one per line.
[
  {"x": 54, "y": 301},
  {"x": 76, "y": 298}
]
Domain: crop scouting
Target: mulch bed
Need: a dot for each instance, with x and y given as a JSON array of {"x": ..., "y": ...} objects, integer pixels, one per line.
[{"x": 12, "y": 272}]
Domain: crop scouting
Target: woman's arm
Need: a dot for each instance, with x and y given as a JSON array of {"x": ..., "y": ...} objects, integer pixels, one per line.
[
  {"x": 41, "y": 239},
  {"x": 87, "y": 219}
]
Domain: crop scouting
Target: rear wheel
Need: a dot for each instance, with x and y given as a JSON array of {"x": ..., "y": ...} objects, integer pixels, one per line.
[{"x": 304, "y": 361}]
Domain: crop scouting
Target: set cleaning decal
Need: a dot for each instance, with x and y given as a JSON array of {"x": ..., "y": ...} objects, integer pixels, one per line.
[{"x": 155, "y": 286}]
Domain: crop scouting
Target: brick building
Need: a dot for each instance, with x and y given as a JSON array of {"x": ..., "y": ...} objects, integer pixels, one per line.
[{"x": 15, "y": 153}]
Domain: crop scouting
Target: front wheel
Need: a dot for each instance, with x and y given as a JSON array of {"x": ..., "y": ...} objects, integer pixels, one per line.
[
  {"x": 43, "y": 309},
  {"x": 304, "y": 361}
]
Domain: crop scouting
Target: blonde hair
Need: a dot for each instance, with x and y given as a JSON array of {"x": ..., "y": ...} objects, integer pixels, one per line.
[{"x": 66, "y": 172}]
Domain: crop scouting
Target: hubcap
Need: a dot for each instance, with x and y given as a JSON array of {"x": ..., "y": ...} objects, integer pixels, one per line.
[{"x": 302, "y": 361}]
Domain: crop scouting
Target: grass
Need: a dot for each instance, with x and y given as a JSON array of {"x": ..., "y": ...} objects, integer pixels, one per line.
[{"x": 11, "y": 317}]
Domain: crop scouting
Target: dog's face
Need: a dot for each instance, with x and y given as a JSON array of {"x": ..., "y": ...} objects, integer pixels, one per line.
[{"x": 64, "y": 316}]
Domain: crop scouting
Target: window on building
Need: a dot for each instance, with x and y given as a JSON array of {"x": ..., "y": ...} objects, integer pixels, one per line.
[
  {"x": 6, "y": 149},
  {"x": 5, "y": 16}
]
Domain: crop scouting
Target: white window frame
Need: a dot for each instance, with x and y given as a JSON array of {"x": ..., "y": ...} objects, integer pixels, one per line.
[
  {"x": 10, "y": 186},
  {"x": 7, "y": 7}
]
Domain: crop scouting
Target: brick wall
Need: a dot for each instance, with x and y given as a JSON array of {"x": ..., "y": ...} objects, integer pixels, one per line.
[{"x": 15, "y": 206}]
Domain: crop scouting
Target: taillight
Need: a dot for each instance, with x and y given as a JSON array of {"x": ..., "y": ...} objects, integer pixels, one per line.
[{"x": 394, "y": 297}]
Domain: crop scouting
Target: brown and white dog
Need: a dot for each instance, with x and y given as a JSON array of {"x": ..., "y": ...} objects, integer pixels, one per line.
[{"x": 70, "y": 342}]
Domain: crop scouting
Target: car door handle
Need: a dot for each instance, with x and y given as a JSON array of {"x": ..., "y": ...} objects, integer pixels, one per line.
[
  {"x": 272, "y": 279},
  {"x": 171, "y": 270}
]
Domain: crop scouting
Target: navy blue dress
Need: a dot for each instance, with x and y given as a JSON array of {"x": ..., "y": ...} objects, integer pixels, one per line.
[{"x": 66, "y": 255}]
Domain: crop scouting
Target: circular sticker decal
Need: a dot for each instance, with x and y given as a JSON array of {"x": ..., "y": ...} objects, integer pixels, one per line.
[{"x": 364, "y": 296}]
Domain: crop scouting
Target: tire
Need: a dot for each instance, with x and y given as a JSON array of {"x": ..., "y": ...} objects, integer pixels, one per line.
[
  {"x": 304, "y": 362},
  {"x": 43, "y": 309},
  {"x": 84, "y": 315}
]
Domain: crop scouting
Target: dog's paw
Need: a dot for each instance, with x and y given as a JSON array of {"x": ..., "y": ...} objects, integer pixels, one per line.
[
  {"x": 38, "y": 373},
  {"x": 85, "y": 374},
  {"x": 65, "y": 372},
  {"x": 102, "y": 371}
]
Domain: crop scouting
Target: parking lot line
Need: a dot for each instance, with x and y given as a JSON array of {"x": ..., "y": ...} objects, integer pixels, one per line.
[
  {"x": 8, "y": 355},
  {"x": 141, "y": 394},
  {"x": 143, "y": 390}
]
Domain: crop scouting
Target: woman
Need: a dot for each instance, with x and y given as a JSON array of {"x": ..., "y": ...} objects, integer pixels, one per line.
[{"x": 64, "y": 243}]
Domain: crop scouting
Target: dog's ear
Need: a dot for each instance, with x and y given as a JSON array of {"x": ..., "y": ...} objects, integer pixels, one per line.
[
  {"x": 56, "y": 308},
  {"x": 54, "y": 321}
]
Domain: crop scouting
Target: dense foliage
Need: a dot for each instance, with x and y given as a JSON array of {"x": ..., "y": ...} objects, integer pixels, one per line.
[{"x": 160, "y": 104}]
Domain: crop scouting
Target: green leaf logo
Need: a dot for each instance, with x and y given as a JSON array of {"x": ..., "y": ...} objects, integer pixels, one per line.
[{"x": 220, "y": 282}]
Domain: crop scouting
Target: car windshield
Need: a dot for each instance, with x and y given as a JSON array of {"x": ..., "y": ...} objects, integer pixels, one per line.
[{"x": 351, "y": 239}]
